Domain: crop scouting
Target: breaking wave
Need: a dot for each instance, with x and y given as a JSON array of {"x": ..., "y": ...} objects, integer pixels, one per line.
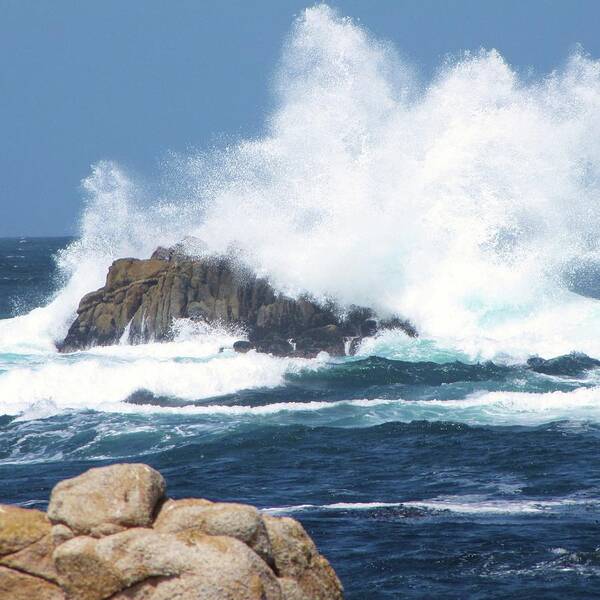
[
  {"x": 468, "y": 505},
  {"x": 469, "y": 204}
]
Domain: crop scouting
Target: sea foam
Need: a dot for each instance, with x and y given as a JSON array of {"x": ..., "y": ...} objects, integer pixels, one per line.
[
  {"x": 472, "y": 505},
  {"x": 468, "y": 203}
]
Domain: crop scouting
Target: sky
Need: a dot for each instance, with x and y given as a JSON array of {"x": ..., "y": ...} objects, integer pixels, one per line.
[{"x": 83, "y": 81}]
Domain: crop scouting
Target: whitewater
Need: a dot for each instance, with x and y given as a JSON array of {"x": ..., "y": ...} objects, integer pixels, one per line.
[{"x": 468, "y": 203}]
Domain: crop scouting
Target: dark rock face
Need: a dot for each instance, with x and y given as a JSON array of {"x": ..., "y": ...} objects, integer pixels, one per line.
[
  {"x": 141, "y": 298},
  {"x": 568, "y": 365}
]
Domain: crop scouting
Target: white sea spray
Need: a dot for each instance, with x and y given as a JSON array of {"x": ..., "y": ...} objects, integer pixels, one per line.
[{"x": 464, "y": 203}]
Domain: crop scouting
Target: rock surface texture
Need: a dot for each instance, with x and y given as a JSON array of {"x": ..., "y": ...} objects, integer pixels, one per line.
[
  {"x": 111, "y": 533},
  {"x": 142, "y": 298}
]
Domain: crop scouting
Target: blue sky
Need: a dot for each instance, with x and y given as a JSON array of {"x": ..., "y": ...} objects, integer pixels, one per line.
[{"x": 82, "y": 81}]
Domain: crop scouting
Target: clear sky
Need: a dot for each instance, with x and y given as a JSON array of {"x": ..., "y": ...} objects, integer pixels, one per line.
[{"x": 84, "y": 80}]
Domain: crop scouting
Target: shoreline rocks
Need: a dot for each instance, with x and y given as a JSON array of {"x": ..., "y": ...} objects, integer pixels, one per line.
[
  {"x": 112, "y": 533},
  {"x": 142, "y": 298}
]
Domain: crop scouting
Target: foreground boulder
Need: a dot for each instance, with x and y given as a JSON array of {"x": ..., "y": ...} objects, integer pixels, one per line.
[
  {"x": 15, "y": 585},
  {"x": 83, "y": 505},
  {"x": 142, "y": 298},
  {"x": 111, "y": 533}
]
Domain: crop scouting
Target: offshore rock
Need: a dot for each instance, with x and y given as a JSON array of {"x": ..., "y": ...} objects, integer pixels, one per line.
[
  {"x": 568, "y": 365},
  {"x": 193, "y": 548},
  {"x": 142, "y": 298}
]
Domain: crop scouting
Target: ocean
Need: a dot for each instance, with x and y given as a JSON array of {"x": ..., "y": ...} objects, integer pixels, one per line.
[
  {"x": 417, "y": 479},
  {"x": 459, "y": 464}
]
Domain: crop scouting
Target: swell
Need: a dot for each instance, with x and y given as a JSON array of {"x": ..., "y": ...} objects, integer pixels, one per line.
[
  {"x": 226, "y": 390},
  {"x": 377, "y": 371},
  {"x": 499, "y": 512},
  {"x": 381, "y": 380}
]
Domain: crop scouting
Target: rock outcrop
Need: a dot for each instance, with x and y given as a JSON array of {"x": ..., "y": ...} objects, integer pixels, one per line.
[
  {"x": 135, "y": 490},
  {"x": 111, "y": 533},
  {"x": 142, "y": 298}
]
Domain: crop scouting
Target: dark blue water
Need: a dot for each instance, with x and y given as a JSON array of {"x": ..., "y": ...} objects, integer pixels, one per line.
[
  {"x": 416, "y": 479},
  {"x": 27, "y": 272}
]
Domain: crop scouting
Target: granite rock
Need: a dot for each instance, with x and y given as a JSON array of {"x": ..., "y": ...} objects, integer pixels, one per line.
[
  {"x": 142, "y": 299},
  {"x": 111, "y": 533},
  {"x": 102, "y": 501}
]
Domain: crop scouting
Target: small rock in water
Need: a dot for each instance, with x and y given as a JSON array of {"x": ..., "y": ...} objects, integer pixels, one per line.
[
  {"x": 569, "y": 365},
  {"x": 368, "y": 327},
  {"x": 243, "y": 346}
]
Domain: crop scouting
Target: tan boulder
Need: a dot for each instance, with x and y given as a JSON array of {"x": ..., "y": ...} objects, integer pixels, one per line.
[
  {"x": 239, "y": 521},
  {"x": 291, "y": 590},
  {"x": 166, "y": 565},
  {"x": 176, "y": 515},
  {"x": 20, "y": 586},
  {"x": 192, "y": 587},
  {"x": 35, "y": 559},
  {"x": 25, "y": 542},
  {"x": 111, "y": 535},
  {"x": 20, "y": 527},
  {"x": 84, "y": 573},
  {"x": 61, "y": 533},
  {"x": 296, "y": 557},
  {"x": 123, "y": 495}
]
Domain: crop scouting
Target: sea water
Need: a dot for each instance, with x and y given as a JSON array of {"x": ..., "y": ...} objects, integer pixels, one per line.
[{"x": 437, "y": 467}]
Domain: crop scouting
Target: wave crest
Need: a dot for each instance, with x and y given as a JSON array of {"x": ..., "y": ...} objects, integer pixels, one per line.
[{"x": 467, "y": 203}]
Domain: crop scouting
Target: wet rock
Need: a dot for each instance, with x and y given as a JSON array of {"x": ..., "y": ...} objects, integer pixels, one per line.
[
  {"x": 273, "y": 344},
  {"x": 330, "y": 339},
  {"x": 368, "y": 327},
  {"x": 397, "y": 323},
  {"x": 242, "y": 346},
  {"x": 189, "y": 247},
  {"x": 122, "y": 495},
  {"x": 142, "y": 298},
  {"x": 162, "y": 253},
  {"x": 568, "y": 365},
  {"x": 354, "y": 345}
]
